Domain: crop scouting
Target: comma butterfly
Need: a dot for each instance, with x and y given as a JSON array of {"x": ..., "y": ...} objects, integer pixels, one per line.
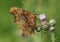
[{"x": 25, "y": 20}]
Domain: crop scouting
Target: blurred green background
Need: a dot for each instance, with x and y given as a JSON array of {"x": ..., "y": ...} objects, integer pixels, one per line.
[{"x": 8, "y": 29}]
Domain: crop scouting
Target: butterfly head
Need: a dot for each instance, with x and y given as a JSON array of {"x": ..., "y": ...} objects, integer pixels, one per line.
[{"x": 14, "y": 10}]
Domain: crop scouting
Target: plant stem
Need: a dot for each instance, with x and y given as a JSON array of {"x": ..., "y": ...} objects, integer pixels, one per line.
[{"x": 52, "y": 37}]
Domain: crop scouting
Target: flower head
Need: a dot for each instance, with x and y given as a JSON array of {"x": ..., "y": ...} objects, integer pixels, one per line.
[{"x": 42, "y": 17}]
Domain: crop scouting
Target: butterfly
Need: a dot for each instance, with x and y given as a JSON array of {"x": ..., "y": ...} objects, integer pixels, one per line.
[{"x": 25, "y": 20}]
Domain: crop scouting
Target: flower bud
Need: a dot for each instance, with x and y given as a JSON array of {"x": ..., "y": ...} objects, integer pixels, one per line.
[
  {"x": 38, "y": 28},
  {"x": 52, "y": 22},
  {"x": 45, "y": 25},
  {"x": 42, "y": 17},
  {"x": 52, "y": 29}
]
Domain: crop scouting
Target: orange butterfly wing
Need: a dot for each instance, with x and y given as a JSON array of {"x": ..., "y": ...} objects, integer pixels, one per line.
[{"x": 25, "y": 20}]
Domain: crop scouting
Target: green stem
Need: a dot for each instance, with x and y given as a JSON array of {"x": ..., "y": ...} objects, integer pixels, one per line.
[{"x": 52, "y": 37}]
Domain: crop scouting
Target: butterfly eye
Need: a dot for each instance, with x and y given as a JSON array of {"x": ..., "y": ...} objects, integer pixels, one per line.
[{"x": 38, "y": 28}]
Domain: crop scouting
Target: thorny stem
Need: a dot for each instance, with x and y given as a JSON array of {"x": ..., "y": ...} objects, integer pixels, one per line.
[{"x": 52, "y": 37}]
